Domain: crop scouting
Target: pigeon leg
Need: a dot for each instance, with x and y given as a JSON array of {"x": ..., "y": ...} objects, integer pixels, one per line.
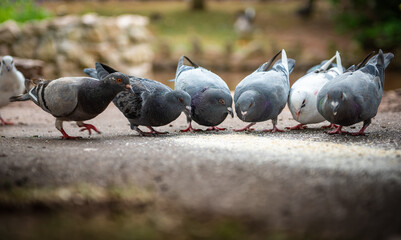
[
  {"x": 4, "y": 122},
  {"x": 274, "y": 129},
  {"x": 298, "y": 127},
  {"x": 190, "y": 129},
  {"x": 246, "y": 128},
  {"x": 215, "y": 128},
  {"x": 88, "y": 127},
  {"x": 362, "y": 131},
  {"x": 337, "y": 131},
  {"x": 59, "y": 126},
  {"x": 155, "y": 131},
  {"x": 331, "y": 125}
]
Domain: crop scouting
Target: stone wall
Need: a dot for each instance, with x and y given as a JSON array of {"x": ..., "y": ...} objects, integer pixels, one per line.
[{"x": 70, "y": 43}]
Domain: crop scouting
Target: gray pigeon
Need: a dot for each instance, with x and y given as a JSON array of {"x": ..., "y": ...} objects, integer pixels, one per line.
[
  {"x": 211, "y": 99},
  {"x": 76, "y": 98},
  {"x": 12, "y": 83},
  {"x": 263, "y": 94},
  {"x": 151, "y": 103},
  {"x": 355, "y": 95}
]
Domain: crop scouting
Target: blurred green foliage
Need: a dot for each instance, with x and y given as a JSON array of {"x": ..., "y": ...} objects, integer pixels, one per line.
[
  {"x": 21, "y": 11},
  {"x": 375, "y": 23}
]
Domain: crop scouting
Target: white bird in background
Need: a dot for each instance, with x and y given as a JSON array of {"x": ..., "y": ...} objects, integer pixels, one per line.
[
  {"x": 244, "y": 23},
  {"x": 12, "y": 82},
  {"x": 303, "y": 93}
]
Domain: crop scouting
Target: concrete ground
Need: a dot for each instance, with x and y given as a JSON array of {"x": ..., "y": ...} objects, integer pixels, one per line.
[{"x": 339, "y": 186}]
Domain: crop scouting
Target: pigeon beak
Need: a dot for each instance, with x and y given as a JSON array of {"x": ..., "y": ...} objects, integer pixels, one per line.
[
  {"x": 8, "y": 68},
  {"x": 334, "y": 106},
  {"x": 243, "y": 114},
  {"x": 187, "y": 111},
  {"x": 128, "y": 86},
  {"x": 297, "y": 114},
  {"x": 230, "y": 111}
]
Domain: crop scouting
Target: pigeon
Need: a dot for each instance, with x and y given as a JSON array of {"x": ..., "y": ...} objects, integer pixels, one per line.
[
  {"x": 354, "y": 96},
  {"x": 211, "y": 99},
  {"x": 150, "y": 104},
  {"x": 263, "y": 94},
  {"x": 303, "y": 93},
  {"x": 12, "y": 82},
  {"x": 76, "y": 98}
]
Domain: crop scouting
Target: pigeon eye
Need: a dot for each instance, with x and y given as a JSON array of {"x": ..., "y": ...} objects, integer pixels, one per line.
[
  {"x": 250, "y": 105},
  {"x": 119, "y": 80},
  {"x": 181, "y": 100},
  {"x": 328, "y": 96},
  {"x": 222, "y": 101},
  {"x": 303, "y": 102}
]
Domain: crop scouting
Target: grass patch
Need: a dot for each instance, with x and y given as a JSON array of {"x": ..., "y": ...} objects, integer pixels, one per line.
[{"x": 21, "y": 11}]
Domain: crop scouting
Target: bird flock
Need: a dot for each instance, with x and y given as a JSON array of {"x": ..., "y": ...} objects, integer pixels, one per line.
[{"x": 328, "y": 91}]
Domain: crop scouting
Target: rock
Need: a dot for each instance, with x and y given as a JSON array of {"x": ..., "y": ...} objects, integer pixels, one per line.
[
  {"x": 62, "y": 22},
  {"x": 47, "y": 49},
  {"x": 143, "y": 70},
  {"x": 137, "y": 54},
  {"x": 139, "y": 34},
  {"x": 125, "y": 21},
  {"x": 25, "y": 47},
  {"x": 90, "y": 19},
  {"x": 70, "y": 43},
  {"x": 9, "y": 32},
  {"x": 31, "y": 68},
  {"x": 4, "y": 49}
]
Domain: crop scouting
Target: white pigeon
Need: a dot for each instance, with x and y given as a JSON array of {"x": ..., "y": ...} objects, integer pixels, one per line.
[
  {"x": 303, "y": 94},
  {"x": 12, "y": 82}
]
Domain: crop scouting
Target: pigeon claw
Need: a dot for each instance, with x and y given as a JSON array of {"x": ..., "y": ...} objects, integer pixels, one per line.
[
  {"x": 214, "y": 128},
  {"x": 337, "y": 131},
  {"x": 152, "y": 132},
  {"x": 190, "y": 129},
  {"x": 331, "y": 125},
  {"x": 88, "y": 127},
  {"x": 4, "y": 122},
  {"x": 298, "y": 127},
  {"x": 274, "y": 129},
  {"x": 68, "y": 137},
  {"x": 246, "y": 128}
]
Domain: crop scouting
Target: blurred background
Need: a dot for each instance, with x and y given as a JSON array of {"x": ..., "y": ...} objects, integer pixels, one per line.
[{"x": 232, "y": 38}]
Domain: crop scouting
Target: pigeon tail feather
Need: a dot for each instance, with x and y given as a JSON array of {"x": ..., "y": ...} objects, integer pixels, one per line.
[
  {"x": 267, "y": 65},
  {"x": 91, "y": 72},
  {"x": 339, "y": 64},
  {"x": 19, "y": 98},
  {"x": 284, "y": 61}
]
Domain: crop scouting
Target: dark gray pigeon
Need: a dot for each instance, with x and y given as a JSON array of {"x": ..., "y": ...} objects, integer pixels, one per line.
[
  {"x": 76, "y": 98},
  {"x": 211, "y": 99},
  {"x": 355, "y": 95},
  {"x": 151, "y": 103},
  {"x": 263, "y": 94}
]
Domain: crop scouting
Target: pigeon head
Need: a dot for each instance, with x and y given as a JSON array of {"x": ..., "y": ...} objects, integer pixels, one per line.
[
  {"x": 301, "y": 102},
  {"x": 339, "y": 107},
  {"x": 248, "y": 106},
  {"x": 7, "y": 63},
  {"x": 118, "y": 80},
  {"x": 212, "y": 106},
  {"x": 180, "y": 100}
]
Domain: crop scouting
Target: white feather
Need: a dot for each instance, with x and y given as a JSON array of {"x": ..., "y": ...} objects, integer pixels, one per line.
[
  {"x": 284, "y": 61},
  {"x": 339, "y": 65}
]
